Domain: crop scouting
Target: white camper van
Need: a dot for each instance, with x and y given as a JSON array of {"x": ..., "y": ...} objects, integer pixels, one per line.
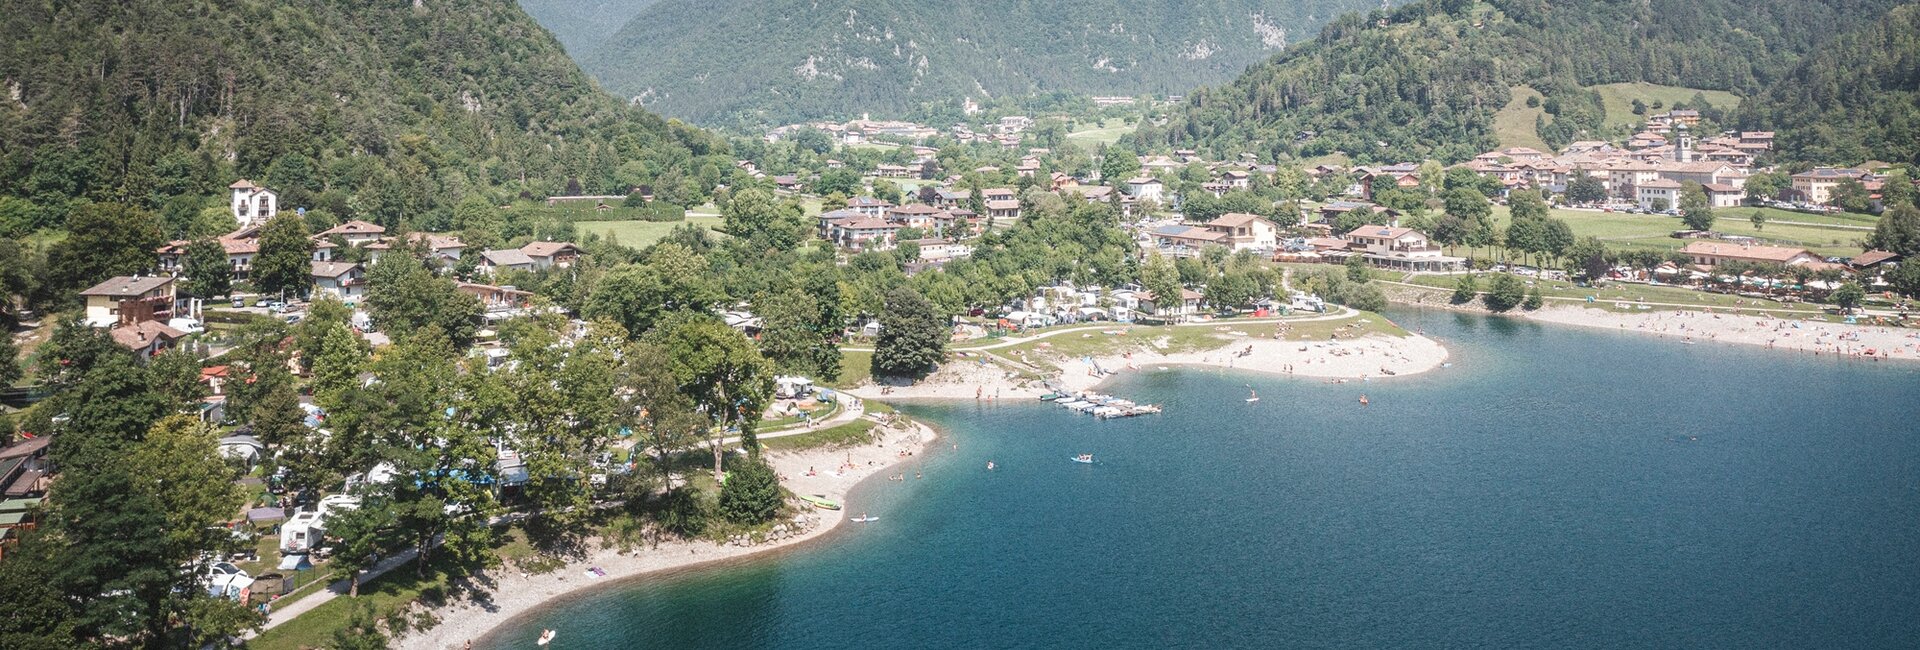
[{"x": 308, "y": 529}]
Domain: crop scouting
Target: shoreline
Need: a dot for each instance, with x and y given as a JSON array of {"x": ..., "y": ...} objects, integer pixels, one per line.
[
  {"x": 1762, "y": 330},
  {"x": 1372, "y": 356},
  {"x": 510, "y": 595},
  {"x": 1752, "y": 326}
]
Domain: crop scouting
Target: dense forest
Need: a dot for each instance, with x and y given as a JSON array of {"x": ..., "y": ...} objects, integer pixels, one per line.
[
  {"x": 752, "y": 62},
  {"x": 1854, "y": 100},
  {"x": 582, "y": 25},
  {"x": 1424, "y": 80},
  {"x": 386, "y": 111}
]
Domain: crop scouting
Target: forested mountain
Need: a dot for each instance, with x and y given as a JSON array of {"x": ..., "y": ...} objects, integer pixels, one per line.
[
  {"x": 582, "y": 25},
  {"x": 1424, "y": 80},
  {"x": 773, "y": 61},
  {"x": 1856, "y": 99},
  {"x": 381, "y": 111}
]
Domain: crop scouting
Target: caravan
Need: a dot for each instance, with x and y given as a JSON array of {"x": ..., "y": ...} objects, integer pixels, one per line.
[{"x": 307, "y": 530}]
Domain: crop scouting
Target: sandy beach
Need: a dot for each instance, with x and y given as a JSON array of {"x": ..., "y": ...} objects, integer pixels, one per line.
[
  {"x": 836, "y": 472},
  {"x": 1760, "y": 329},
  {"x": 1371, "y": 357}
]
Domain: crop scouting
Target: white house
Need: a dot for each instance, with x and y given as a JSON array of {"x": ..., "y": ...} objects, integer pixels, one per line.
[
  {"x": 1663, "y": 190},
  {"x": 355, "y": 232},
  {"x": 253, "y": 205},
  {"x": 339, "y": 279},
  {"x": 1187, "y": 307},
  {"x": 1145, "y": 188},
  {"x": 1403, "y": 249}
]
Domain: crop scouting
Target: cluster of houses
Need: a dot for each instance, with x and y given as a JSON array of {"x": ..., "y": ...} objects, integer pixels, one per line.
[{"x": 1648, "y": 172}]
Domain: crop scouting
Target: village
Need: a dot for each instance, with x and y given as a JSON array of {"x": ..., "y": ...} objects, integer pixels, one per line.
[{"x": 1242, "y": 243}]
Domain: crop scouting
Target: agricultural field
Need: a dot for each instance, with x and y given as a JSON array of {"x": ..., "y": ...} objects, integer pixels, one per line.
[
  {"x": 1618, "y": 100},
  {"x": 640, "y": 234},
  {"x": 1108, "y": 132},
  {"x": 1621, "y": 229},
  {"x": 1513, "y": 124}
]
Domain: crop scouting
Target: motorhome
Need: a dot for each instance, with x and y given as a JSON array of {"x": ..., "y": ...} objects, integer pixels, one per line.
[{"x": 308, "y": 530}]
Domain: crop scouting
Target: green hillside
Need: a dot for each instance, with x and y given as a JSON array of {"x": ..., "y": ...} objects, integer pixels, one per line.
[
  {"x": 380, "y": 111},
  {"x": 1618, "y": 100},
  {"x": 1425, "y": 80},
  {"x": 582, "y": 25},
  {"x": 1857, "y": 100},
  {"x": 775, "y": 61}
]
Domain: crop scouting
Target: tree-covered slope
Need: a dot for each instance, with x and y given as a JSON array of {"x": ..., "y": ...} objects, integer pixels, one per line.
[
  {"x": 379, "y": 111},
  {"x": 1856, "y": 99},
  {"x": 1424, "y": 80},
  {"x": 582, "y": 25},
  {"x": 770, "y": 61}
]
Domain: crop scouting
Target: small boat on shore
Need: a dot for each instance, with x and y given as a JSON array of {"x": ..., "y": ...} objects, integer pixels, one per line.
[
  {"x": 1051, "y": 397},
  {"x": 820, "y": 502}
]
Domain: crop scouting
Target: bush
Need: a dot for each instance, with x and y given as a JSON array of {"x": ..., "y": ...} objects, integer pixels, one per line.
[
  {"x": 682, "y": 513},
  {"x": 1466, "y": 290},
  {"x": 1534, "y": 300},
  {"x": 1505, "y": 293},
  {"x": 1365, "y": 297},
  {"x": 752, "y": 493}
]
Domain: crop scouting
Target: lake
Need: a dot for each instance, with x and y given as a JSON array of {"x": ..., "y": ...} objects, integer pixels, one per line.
[{"x": 1557, "y": 487}]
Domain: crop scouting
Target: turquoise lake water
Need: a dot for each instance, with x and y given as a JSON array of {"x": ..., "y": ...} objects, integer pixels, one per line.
[{"x": 1558, "y": 487}]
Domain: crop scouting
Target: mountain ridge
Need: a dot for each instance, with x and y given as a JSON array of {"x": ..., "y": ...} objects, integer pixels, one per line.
[{"x": 741, "y": 62}]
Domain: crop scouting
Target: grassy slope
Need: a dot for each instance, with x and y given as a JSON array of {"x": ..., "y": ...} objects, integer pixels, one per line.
[
  {"x": 1618, "y": 99},
  {"x": 1513, "y": 124},
  {"x": 640, "y": 234},
  {"x": 1108, "y": 132}
]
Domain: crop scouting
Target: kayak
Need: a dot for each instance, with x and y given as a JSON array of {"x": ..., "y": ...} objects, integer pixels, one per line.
[
  {"x": 1050, "y": 397},
  {"x": 864, "y": 519},
  {"x": 820, "y": 502}
]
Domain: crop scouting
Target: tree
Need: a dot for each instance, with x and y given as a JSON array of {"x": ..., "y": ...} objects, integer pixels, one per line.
[
  {"x": 1534, "y": 300},
  {"x": 1767, "y": 185},
  {"x": 1905, "y": 279},
  {"x": 766, "y": 221},
  {"x": 1898, "y": 231},
  {"x": 284, "y": 264},
  {"x": 1695, "y": 209},
  {"x": 1584, "y": 189},
  {"x": 1759, "y": 220},
  {"x": 1358, "y": 270},
  {"x": 103, "y": 240},
  {"x": 913, "y": 336},
  {"x": 207, "y": 273},
  {"x": 1505, "y": 293},
  {"x": 336, "y": 366},
  {"x": 751, "y": 493},
  {"x": 1118, "y": 165},
  {"x": 404, "y": 296},
  {"x": 794, "y": 335},
  {"x": 638, "y": 296},
  {"x": 1659, "y": 205},
  {"x": 1849, "y": 296},
  {"x": 1159, "y": 277},
  {"x": 1850, "y": 195},
  {"x": 183, "y": 471},
  {"x": 1466, "y": 290},
  {"x": 719, "y": 369}
]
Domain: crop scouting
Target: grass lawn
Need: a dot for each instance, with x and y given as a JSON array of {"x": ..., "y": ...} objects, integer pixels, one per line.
[
  {"x": 855, "y": 369},
  {"x": 1513, "y": 124},
  {"x": 1625, "y": 230},
  {"x": 391, "y": 591},
  {"x": 1606, "y": 296},
  {"x": 1108, "y": 132},
  {"x": 1618, "y": 100},
  {"x": 852, "y": 433},
  {"x": 640, "y": 234}
]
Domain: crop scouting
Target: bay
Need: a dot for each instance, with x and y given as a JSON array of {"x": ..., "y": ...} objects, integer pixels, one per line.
[{"x": 1556, "y": 487}]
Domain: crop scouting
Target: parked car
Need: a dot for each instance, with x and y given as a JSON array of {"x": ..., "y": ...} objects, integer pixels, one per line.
[{"x": 239, "y": 302}]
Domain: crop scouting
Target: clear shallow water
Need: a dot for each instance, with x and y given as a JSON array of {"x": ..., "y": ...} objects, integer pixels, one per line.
[{"x": 1559, "y": 487}]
